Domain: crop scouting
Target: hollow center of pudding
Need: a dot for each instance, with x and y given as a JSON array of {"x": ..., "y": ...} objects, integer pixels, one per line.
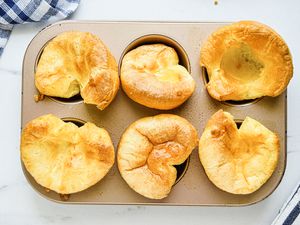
[{"x": 241, "y": 63}]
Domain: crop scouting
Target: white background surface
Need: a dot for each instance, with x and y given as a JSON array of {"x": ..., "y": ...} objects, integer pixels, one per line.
[{"x": 19, "y": 204}]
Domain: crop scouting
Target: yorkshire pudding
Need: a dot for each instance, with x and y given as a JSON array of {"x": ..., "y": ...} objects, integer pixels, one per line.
[
  {"x": 78, "y": 62},
  {"x": 246, "y": 60},
  {"x": 151, "y": 76},
  {"x": 149, "y": 149},
  {"x": 238, "y": 161},
  {"x": 64, "y": 158}
]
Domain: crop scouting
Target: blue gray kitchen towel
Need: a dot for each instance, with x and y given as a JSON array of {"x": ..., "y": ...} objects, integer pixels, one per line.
[
  {"x": 24, "y": 11},
  {"x": 289, "y": 213}
]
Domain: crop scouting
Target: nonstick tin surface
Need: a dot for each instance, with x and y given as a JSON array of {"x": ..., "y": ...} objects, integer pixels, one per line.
[{"x": 193, "y": 188}]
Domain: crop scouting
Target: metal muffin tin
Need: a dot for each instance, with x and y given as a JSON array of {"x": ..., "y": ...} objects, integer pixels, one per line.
[{"x": 194, "y": 188}]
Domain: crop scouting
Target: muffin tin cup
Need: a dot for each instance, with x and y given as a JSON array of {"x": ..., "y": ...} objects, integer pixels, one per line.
[
  {"x": 76, "y": 121},
  {"x": 158, "y": 39},
  {"x": 181, "y": 170},
  {"x": 192, "y": 186}
]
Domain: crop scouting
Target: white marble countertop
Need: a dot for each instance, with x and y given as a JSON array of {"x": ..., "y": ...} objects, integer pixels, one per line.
[{"x": 19, "y": 204}]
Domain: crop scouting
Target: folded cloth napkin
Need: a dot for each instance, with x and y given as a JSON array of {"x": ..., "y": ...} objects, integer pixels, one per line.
[
  {"x": 24, "y": 11},
  {"x": 289, "y": 213}
]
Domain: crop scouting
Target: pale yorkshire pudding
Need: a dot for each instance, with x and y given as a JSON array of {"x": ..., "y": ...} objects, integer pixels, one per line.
[
  {"x": 64, "y": 158},
  {"x": 78, "y": 62},
  {"x": 149, "y": 149},
  {"x": 151, "y": 76},
  {"x": 238, "y": 161},
  {"x": 246, "y": 60}
]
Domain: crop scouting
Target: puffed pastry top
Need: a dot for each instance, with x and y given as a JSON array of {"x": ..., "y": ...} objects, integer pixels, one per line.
[
  {"x": 63, "y": 157},
  {"x": 78, "y": 62},
  {"x": 238, "y": 161},
  {"x": 151, "y": 75},
  {"x": 246, "y": 60},
  {"x": 149, "y": 149}
]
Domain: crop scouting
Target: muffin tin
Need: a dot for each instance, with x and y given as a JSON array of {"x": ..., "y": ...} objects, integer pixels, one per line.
[{"x": 192, "y": 186}]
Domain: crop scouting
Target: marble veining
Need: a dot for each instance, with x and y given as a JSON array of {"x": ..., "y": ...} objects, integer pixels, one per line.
[{"x": 11, "y": 72}]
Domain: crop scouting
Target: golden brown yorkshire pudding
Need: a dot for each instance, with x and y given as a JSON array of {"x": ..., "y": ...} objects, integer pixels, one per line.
[
  {"x": 64, "y": 158},
  {"x": 151, "y": 76},
  {"x": 78, "y": 62},
  {"x": 238, "y": 161},
  {"x": 246, "y": 60},
  {"x": 149, "y": 149}
]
